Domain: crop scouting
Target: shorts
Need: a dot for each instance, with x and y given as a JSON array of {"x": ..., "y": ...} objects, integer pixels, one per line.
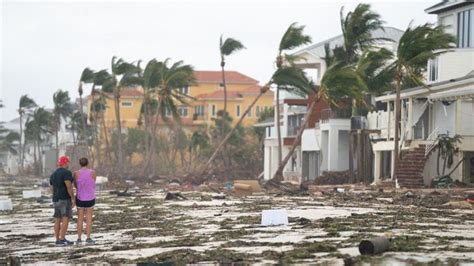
[
  {"x": 62, "y": 208},
  {"x": 85, "y": 204}
]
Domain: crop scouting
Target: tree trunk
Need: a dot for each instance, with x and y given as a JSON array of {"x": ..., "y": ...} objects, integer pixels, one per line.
[
  {"x": 397, "y": 122},
  {"x": 278, "y": 176},
  {"x": 74, "y": 142},
  {"x": 147, "y": 134},
  {"x": 225, "y": 87},
  {"x": 278, "y": 124},
  {"x": 437, "y": 162},
  {"x": 57, "y": 140},
  {"x": 81, "y": 111},
  {"x": 96, "y": 129},
  {"x": 119, "y": 130},
  {"x": 35, "y": 161},
  {"x": 263, "y": 90},
  {"x": 21, "y": 144},
  {"x": 445, "y": 162}
]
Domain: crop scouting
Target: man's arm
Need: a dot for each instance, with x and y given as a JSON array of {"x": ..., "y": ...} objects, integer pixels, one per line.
[{"x": 70, "y": 191}]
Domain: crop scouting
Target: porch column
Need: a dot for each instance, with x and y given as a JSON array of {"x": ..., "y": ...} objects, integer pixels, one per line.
[
  {"x": 392, "y": 170},
  {"x": 389, "y": 124},
  {"x": 410, "y": 118},
  {"x": 333, "y": 149},
  {"x": 377, "y": 157}
]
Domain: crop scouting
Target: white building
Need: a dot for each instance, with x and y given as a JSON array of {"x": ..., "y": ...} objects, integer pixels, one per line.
[
  {"x": 325, "y": 143},
  {"x": 445, "y": 107}
]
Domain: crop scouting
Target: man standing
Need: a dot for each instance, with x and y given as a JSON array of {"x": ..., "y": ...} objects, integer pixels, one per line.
[{"x": 63, "y": 200}]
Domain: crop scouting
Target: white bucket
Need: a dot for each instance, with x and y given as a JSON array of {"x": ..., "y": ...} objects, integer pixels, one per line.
[
  {"x": 6, "y": 205},
  {"x": 31, "y": 194},
  {"x": 274, "y": 217}
]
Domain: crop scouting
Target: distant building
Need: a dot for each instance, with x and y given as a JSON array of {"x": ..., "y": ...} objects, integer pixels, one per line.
[{"x": 206, "y": 98}]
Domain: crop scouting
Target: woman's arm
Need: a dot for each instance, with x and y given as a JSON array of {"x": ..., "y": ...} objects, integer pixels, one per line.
[{"x": 74, "y": 175}]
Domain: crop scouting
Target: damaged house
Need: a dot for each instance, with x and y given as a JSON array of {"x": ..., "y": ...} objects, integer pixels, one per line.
[{"x": 444, "y": 107}]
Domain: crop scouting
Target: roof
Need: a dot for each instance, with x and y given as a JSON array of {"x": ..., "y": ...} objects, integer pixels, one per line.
[
  {"x": 446, "y": 5},
  {"x": 129, "y": 93},
  {"x": 452, "y": 95},
  {"x": 216, "y": 77},
  {"x": 317, "y": 49},
  {"x": 452, "y": 83}
]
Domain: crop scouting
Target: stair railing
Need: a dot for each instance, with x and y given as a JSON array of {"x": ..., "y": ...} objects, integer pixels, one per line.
[{"x": 433, "y": 141}]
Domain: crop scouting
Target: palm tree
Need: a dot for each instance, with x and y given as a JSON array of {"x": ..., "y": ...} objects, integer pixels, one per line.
[
  {"x": 164, "y": 82},
  {"x": 35, "y": 128},
  {"x": 293, "y": 38},
  {"x": 446, "y": 147},
  {"x": 337, "y": 85},
  {"x": 98, "y": 108},
  {"x": 357, "y": 28},
  {"x": 123, "y": 74},
  {"x": 62, "y": 110},
  {"x": 416, "y": 46},
  {"x": 226, "y": 48},
  {"x": 87, "y": 76},
  {"x": 26, "y": 104},
  {"x": 7, "y": 143}
]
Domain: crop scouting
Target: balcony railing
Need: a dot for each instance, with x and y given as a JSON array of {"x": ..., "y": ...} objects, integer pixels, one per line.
[{"x": 328, "y": 114}]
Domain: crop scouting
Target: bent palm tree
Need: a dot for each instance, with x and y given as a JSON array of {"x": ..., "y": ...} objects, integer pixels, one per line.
[
  {"x": 35, "y": 129},
  {"x": 87, "y": 76},
  {"x": 293, "y": 38},
  {"x": 416, "y": 46},
  {"x": 226, "y": 48},
  {"x": 26, "y": 104}
]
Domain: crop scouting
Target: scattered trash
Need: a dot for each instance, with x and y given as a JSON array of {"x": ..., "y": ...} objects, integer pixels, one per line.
[
  {"x": 219, "y": 197},
  {"x": 174, "y": 196},
  {"x": 470, "y": 196},
  {"x": 246, "y": 187},
  {"x": 376, "y": 245},
  {"x": 274, "y": 217},
  {"x": 458, "y": 205},
  {"x": 27, "y": 194},
  {"x": 44, "y": 199},
  {"x": 206, "y": 198},
  {"x": 339, "y": 189},
  {"x": 6, "y": 204},
  {"x": 100, "y": 182},
  {"x": 409, "y": 194}
]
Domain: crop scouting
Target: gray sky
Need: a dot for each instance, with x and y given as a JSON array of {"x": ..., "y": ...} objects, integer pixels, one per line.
[{"x": 46, "y": 44}]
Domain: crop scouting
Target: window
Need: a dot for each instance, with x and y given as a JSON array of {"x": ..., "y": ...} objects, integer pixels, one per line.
[
  {"x": 183, "y": 111},
  {"x": 433, "y": 69},
  {"x": 184, "y": 90},
  {"x": 237, "y": 110},
  {"x": 213, "y": 110},
  {"x": 466, "y": 29},
  {"x": 249, "y": 114},
  {"x": 126, "y": 104},
  {"x": 199, "y": 110},
  {"x": 257, "y": 111}
]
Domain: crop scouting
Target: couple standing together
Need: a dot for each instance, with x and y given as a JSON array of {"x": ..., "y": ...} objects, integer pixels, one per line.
[{"x": 62, "y": 181}]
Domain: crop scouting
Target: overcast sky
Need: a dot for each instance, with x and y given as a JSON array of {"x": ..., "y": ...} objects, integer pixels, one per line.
[{"x": 46, "y": 44}]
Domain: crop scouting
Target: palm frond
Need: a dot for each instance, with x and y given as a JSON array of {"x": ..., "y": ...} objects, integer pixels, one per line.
[
  {"x": 230, "y": 46},
  {"x": 293, "y": 38}
]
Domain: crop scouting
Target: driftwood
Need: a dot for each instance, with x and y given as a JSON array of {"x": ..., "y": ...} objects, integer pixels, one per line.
[{"x": 175, "y": 196}]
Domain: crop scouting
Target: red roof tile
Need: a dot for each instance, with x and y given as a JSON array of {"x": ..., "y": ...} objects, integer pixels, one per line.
[
  {"x": 255, "y": 90},
  {"x": 216, "y": 77},
  {"x": 129, "y": 92}
]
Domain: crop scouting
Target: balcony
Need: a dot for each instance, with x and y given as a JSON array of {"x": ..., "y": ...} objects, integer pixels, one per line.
[{"x": 328, "y": 114}]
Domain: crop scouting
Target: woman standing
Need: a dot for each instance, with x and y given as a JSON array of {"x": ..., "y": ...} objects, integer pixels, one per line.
[{"x": 84, "y": 180}]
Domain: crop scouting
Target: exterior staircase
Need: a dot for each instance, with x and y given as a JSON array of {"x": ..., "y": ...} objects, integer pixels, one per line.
[{"x": 410, "y": 169}]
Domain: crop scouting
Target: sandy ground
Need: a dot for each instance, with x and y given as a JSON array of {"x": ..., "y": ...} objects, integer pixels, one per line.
[{"x": 323, "y": 229}]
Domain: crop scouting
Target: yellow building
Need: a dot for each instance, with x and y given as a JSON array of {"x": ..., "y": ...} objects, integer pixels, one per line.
[{"x": 208, "y": 99}]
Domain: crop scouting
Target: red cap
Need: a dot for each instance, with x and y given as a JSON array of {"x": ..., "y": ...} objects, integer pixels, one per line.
[{"x": 63, "y": 160}]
